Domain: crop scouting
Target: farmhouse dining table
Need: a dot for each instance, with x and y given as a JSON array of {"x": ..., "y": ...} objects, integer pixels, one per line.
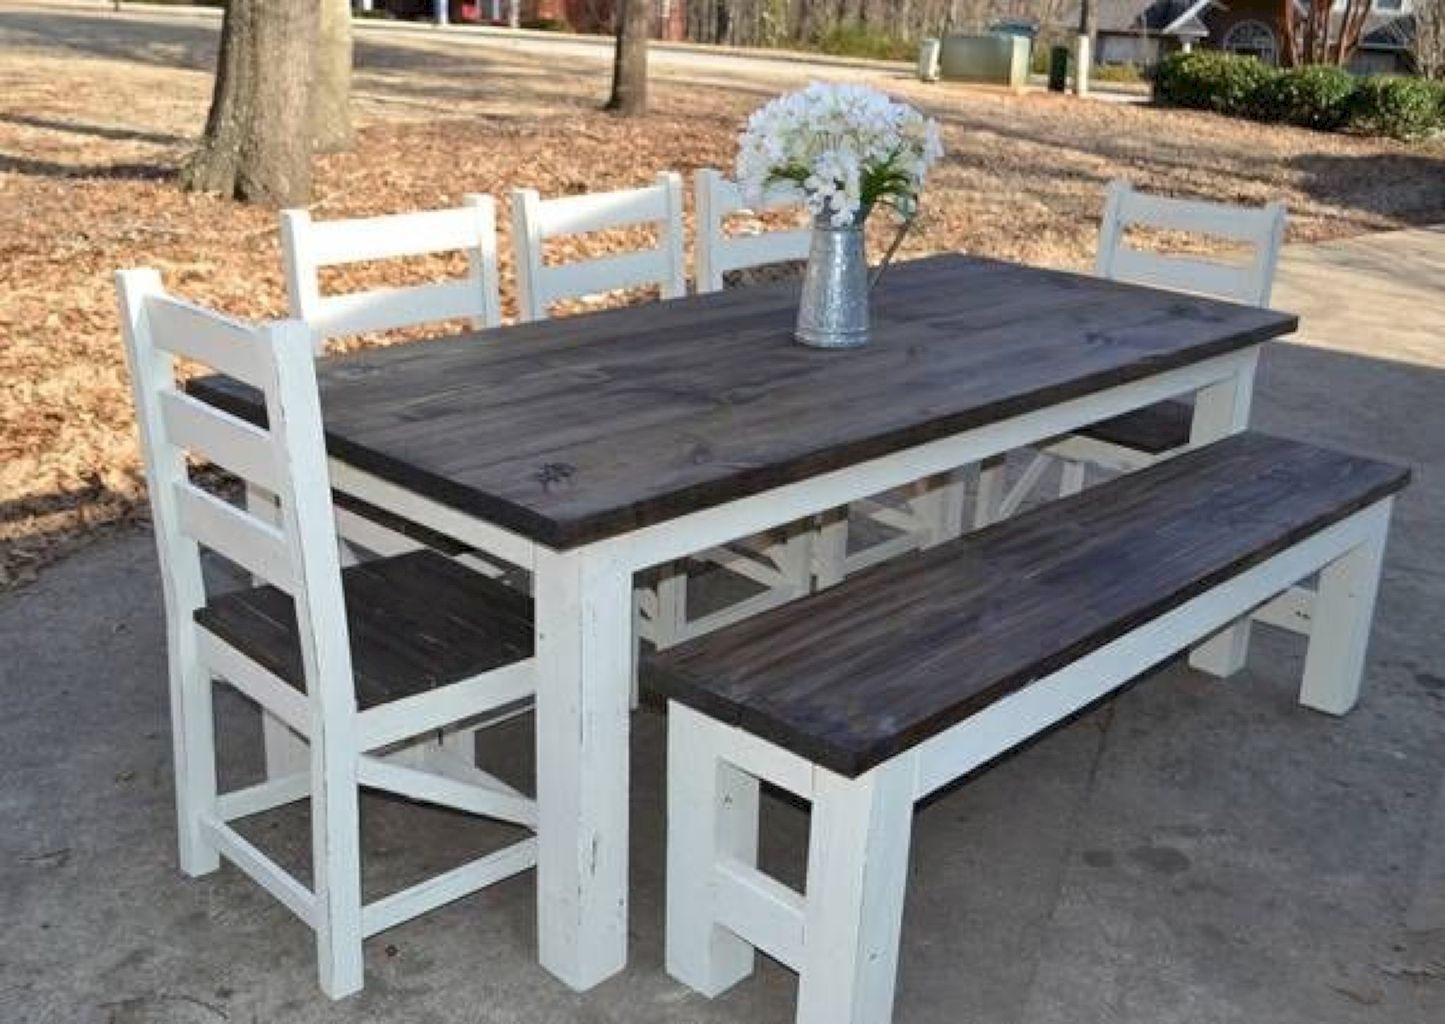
[{"x": 589, "y": 448}]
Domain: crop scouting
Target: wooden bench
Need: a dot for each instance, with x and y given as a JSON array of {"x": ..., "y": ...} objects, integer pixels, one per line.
[{"x": 869, "y": 696}]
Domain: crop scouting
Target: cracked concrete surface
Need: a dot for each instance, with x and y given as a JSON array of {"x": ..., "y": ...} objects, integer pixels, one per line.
[{"x": 1194, "y": 852}]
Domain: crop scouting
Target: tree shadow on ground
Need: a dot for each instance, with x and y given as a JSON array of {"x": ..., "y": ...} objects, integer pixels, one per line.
[
  {"x": 1406, "y": 187},
  {"x": 99, "y": 131},
  {"x": 112, "y": 172}
]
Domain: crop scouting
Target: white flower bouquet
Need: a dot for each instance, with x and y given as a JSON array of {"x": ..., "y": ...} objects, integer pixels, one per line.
[{"x": 848, "y": 148}]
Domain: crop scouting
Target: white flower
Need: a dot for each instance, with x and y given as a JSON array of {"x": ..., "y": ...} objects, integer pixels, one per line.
[{"x": 846, "y": 146}]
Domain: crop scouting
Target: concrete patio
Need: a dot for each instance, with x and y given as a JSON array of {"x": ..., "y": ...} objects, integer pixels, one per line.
[{"x": 1192, "y": 852}]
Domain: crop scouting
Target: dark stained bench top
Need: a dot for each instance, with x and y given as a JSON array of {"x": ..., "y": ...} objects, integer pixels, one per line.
[
  {"x": 417, "y": 622},
  {"x": 1154, "y": 429},
  {"x": 573, "y": 430},
  {"x": 897, "y": 654}
]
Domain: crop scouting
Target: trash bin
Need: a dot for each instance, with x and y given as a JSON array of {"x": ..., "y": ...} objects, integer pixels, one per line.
[
  {"x": 928, "y": 51},
  {"x": 1058, "y": 68}
]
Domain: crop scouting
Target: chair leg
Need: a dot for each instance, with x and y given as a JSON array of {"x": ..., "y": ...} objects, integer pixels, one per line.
[
  {"x": 194, "y": 743},
  {"x": 712, "y": 812},
  {"x": 1225, "y": 653},
  {"x": 336, "y": 867},
  {"x": 857, "y": 874},
  {"x": 1340, "y": 632}
]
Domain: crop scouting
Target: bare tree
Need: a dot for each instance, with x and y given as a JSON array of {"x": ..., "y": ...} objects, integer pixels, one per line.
[
  {"x": 1312, "y": 36},
  {"x": 629, "y": 66},
  {"x": 1428, "y": 46},
  {"x": 257, "y": 145},
  {"x": 330, "y": 115}
]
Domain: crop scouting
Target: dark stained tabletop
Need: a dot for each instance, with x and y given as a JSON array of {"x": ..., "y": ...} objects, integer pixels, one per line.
[{"x": 572, "y": 430}]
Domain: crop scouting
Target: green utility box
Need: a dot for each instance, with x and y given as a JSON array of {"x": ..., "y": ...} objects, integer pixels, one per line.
[
  {"x": 1058, "y": 69},
  {"x": 990, "y": 59}
]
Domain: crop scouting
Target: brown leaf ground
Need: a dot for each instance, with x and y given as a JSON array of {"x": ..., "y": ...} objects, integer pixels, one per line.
[{"x": 94, "y": 118}]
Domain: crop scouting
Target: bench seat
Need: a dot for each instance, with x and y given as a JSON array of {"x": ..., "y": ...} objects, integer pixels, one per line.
[
  {"x": 866, "y": 698},
  {"x": 890, "y": 657}
]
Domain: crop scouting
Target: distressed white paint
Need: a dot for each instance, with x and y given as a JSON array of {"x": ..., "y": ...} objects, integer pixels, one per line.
[{"x": 286, "y": 537}]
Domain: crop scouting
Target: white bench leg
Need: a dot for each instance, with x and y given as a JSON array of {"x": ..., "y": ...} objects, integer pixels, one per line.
[
  {"x": 1344, "y": 607},
  {"x": 857, "y": 874},
  {"x": 1225, "y": 653},
  {"x": 712, "y": 813}
]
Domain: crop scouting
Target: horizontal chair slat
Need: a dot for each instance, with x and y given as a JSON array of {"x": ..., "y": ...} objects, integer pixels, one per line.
[
  {"x": 384, "y": 309},
  {"x": 231, "y": 443},
  {"x": 204, "y": 337},
  {"x": 1170, "y": 214},
  {"x": 1181, "y": 273},
  {"x": 624, "y": 270},
  {"x": 255, "y": 546},
  {"x": 393, "y": 236},
  {"x": 738, "y": 251}
]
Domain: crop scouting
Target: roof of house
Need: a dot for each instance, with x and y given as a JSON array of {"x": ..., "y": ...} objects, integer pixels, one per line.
[{"x": 1154, "y": 17}]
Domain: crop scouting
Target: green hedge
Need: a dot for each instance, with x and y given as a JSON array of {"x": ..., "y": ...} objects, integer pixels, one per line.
[{"x": 1325, "y": 98}]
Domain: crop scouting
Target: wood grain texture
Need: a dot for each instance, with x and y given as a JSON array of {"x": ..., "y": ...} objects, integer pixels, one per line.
[
  {"x": 1154, "y": 429},
  {"x": 417, "y": 621},
  {"x": 573, "y": 430},
  {"x": 897, "y": 654}
]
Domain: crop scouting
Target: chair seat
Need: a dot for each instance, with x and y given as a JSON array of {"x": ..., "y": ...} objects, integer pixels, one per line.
[
  {"x": 1154, "y": 429},
  {"x": 417, "y": 622}
]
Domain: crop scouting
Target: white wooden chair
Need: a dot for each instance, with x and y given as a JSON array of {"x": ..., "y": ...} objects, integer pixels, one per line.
[
  {"x": 535, "y": 221},
  {"x": 335, "y": 656},
  {"x": 307, "y": 246},
  {"x": 1139, "y": 440}
]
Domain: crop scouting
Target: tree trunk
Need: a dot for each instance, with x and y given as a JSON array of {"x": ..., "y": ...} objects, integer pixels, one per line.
[
  {"x": 629, "y": 67},
  {"x": 257, "y": 147},
  {"x": 330, "y": 115}
]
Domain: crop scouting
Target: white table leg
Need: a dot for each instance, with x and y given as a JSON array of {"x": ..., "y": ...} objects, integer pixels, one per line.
[
  {"x": 1222, "y": 409},
  {"x": 584, "y": 653}
]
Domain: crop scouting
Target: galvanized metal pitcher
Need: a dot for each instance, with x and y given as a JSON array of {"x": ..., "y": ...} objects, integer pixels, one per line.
[{"x": 833, "y": 310}]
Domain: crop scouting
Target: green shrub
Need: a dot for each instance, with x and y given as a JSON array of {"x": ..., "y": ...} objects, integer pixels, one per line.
[
  {"x": 1318, "y": 97},
  {"x": 1208, "y": 80},
  {"x": 1403, "y": 108}
]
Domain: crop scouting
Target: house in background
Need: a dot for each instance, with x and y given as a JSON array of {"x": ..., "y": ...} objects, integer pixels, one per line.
[
  {"x": 1141, "y": 32},
  {"x": 669, "y": 19}
]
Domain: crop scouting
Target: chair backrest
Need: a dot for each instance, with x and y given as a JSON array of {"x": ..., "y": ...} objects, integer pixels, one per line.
[
  {"x": 535, "y": 220},
  {"x": 1249, "y": 282},
  {"x": 718, "y": 252},
  {"x": 308, "y": 245},
  {"x": 297, "y": 553}
]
